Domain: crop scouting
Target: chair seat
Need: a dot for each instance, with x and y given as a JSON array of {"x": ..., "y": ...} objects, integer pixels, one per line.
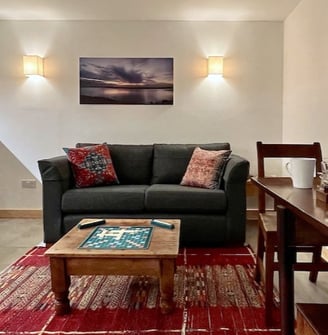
[
  {"x": 268, "y": 225},
  {"x": 304, "y": 232}
]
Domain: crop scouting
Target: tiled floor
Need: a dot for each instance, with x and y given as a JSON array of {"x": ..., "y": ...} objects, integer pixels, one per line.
[
  {"x": 16, "y": 237},
  {"x": 19, "y": 235}
]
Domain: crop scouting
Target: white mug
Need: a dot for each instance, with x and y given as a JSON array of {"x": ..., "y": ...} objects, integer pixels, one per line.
[{"x": 301, "y": 171}]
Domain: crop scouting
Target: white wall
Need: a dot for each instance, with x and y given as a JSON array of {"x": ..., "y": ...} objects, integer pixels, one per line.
[
  {"x": 305, "y": 117},
  {"x": 12, "y": 193},
  {"x": 38, "y": 118}
]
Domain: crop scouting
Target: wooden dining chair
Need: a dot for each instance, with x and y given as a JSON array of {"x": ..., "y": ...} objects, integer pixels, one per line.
[{"x": 267, "y": 232}]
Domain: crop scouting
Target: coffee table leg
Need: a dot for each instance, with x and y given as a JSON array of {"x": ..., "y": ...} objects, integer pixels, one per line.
[
  {"x": 167, "y": 285},
  {"x": 60, "y": 282}
]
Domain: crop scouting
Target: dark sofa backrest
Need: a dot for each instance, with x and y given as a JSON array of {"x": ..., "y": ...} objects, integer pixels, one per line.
[
  {"x": 144, "y": 164},
  {"x": 171, "y": 160},
  {"x": 133, "y": 163}
]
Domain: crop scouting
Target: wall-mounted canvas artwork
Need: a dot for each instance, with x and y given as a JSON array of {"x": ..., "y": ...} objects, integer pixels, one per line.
[{"x": 121, "y": 81}]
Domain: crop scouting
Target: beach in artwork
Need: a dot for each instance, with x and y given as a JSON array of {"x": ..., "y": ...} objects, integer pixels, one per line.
[{"x": 146, "y": 81}]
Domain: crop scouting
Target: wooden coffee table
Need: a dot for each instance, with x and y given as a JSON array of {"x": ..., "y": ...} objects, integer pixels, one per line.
[{"x": 66, "y": 259}]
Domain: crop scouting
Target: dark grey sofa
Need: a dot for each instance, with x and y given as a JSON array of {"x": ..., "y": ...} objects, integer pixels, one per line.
[{"x": 150, "y": 177}]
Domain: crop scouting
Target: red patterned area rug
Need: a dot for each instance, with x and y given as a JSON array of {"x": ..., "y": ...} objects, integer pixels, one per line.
[{"x": 214, "y": 294}]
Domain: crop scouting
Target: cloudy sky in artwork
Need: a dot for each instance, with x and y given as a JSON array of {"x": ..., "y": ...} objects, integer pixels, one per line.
[{"x": 141, "y": 72}]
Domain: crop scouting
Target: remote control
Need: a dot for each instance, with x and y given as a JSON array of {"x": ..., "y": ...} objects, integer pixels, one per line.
[
  {"x": 91, "y": 223},
  {"x": 162, "y": 224}
]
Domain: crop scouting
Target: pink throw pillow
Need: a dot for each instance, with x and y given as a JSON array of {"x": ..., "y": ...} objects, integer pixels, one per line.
[{"x": 205, "y": 168}]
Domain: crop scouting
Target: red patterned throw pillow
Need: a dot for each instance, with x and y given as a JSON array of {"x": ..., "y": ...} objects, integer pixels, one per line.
[
  {"x": 92, "y": 165},
  {"x": 205, "y": 168}
]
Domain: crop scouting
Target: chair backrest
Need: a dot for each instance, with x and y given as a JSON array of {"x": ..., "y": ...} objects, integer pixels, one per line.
[{"x": 284, "y": 151}]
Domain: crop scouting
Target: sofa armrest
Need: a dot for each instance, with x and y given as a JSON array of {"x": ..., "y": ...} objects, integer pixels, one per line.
[
  {"x": 234, "y": 184},
  {"x": 57, "y": 177}
]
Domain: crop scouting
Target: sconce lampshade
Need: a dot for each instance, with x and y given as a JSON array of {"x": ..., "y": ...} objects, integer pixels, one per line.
[
  {"x": 215, "y": 65},
  {"x": 33, "y": 65}
]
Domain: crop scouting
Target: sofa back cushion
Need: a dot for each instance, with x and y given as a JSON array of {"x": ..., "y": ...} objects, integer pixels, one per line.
[
  {"x": 133, "y": 163},
  {"x": 171, "y": 160}
]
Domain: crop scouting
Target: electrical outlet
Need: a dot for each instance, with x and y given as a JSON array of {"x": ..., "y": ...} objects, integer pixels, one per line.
[{"x": 28, "y": 183}]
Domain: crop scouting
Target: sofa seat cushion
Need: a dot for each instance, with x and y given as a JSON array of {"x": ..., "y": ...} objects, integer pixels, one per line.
[
  {"x": 172, "y": 198},
  {"x": 105, "y": 199}
]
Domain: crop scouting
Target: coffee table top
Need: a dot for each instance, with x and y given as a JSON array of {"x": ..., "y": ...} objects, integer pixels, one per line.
[{"x": 164, "y": 243}]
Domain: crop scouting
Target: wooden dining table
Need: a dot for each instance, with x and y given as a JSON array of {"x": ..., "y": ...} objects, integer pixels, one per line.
[{"x": 302, "y": 219}]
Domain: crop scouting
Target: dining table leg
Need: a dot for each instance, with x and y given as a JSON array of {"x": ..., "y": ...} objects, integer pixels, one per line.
[{"x": 286, "y": 259}]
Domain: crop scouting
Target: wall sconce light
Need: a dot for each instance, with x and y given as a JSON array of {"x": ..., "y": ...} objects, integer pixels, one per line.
[
  {"x": 215, "y": 65},
  {"x": 33, "y": 65}
]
